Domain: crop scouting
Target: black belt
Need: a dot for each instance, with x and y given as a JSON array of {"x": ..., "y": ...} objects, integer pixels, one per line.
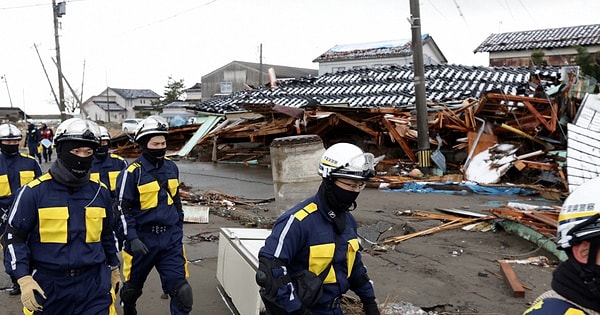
[
  {"x": 156, "y": 229},
  {"x": 76, "y": 272}
]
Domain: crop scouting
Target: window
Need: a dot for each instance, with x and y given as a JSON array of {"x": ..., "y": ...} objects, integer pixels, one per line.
[
  {"x": 226, "y": 87},
  {"x": 337, "y": 69}
]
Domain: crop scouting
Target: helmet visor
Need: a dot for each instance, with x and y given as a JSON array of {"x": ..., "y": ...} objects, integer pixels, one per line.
[{"x": 362, "y": 165}]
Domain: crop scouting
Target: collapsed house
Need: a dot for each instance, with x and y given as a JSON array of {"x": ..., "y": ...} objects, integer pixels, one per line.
[{"x": 470, "y": 109}]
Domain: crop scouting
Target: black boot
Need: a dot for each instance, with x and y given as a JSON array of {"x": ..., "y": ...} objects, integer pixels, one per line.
[
  {"x": 15, "y": 290},
  {"x": 129, "y": 310}
]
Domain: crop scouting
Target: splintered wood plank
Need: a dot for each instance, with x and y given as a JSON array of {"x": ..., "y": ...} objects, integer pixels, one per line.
[
  {"x": 514, "y": 282},
  {"x": 401, "y": 141}
]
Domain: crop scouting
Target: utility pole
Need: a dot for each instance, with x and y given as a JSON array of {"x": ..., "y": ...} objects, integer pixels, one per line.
[
  {"x": 58, "y": 10},
  {"x": 7, "y": 90},
  {"x": 260, "y": 68},
  {"x": 419, "y": 80}
]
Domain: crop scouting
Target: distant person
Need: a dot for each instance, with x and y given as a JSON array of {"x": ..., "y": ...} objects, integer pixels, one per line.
[
  {"x": 316, "y": 241},
  {"x": 46, "y": 133},
  {"x": 32, "y": 141},
  {"x": 106, "y": 166},
  {"x": 151, "y": 218},
  {"x": 60, "y": 244},
  {"x": 16, "y": 170},
  {"x": 576, "y": 281}
]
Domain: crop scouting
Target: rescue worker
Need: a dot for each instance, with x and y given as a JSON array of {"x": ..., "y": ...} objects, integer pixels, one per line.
[
  {"x": 106, "y": 166},
  {"x": 46, "y": 133},
  {"x": 60, "y": 245},
  {"x": 16, "y": 170},
  {"x": 576, "y": 281},
  {"x": 319, "y": 235},
  {"x": 151, "y": 217},
  {"x": 32, "y": 141}
]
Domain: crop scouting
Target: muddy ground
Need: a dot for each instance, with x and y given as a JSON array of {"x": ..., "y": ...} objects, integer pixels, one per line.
[{"x": 449, "y": 272}]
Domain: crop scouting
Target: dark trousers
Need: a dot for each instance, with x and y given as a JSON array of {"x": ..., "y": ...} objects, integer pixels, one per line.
[
  {"x": 86, "y": 291},
  {"x": 166, "y": 255},
  {"x": 33, "y": 151},
  {"x": 47, "y": 153}
]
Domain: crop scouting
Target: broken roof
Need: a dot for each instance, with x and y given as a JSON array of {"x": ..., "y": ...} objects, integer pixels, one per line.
[
  {"x": 582, "y": 35},
  {"x": 371, "y": 50},
  {"x": 390, "y": 86}
]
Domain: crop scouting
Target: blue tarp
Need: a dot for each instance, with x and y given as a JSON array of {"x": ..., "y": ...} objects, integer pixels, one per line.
[
  {"x": 462, "y": 189},
  {"x": 177, "y": 121}
]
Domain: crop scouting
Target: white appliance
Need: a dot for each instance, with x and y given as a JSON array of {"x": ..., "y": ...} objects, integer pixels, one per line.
[{"x": 237, "y": 263}]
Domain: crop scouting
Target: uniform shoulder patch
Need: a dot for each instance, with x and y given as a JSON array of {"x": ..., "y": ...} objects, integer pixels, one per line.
[
  {"x": 37, "y": 181},
  {"x": 133, "y": 166},
  {"x": 305, "y": 211},
  {"x": 97, "y": 181},
  {"x": 115, "y": 156}
]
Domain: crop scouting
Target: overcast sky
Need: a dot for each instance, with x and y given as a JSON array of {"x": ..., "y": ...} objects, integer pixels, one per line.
[{"x": 138, "y": 44}]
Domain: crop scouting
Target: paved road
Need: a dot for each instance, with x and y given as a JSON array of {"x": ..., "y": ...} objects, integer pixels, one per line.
[{"x": 252, "y": 182}]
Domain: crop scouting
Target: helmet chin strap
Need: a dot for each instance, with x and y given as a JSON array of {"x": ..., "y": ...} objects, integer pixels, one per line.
[{"x": 590, "y": 272}]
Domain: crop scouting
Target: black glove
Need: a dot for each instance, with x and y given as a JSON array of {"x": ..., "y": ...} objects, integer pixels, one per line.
[
  {"x": 370, "y": 306},
  {"x": 137, "y": 247}
]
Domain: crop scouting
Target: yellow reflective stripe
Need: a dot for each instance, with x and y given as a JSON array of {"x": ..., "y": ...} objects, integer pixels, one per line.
[
  {"x": 53, "y": 224},
  {"x": 4, "y": 186},
  {"x": 308, "y": 209},
  {"x": 148, "y": 195},
  {"x": 127, "y": 260},
  {"x": 112, "y": 309},
  {"x": 26, "y": 177},
  {"x": 93, "y": 223},
  {"x": 353, "y": 248},
  {"x": 112, "y": 178},
  {"x": 185, "y": 265},
  {"x": 572, "y": 311},
  {"x": 95, "y": 176},
  {"x": 319, "y": 257}
]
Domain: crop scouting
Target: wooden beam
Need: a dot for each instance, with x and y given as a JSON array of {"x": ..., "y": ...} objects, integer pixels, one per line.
[
  {"x": 360, "y": 126},
  {"x": 403, "y": 144},
  {"x": 510, "y": 276}
]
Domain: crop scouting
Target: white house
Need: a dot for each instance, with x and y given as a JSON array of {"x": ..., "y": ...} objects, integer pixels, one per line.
[
  {"x": 115, "y": 105},
  {"x": 376, "y": 54}
]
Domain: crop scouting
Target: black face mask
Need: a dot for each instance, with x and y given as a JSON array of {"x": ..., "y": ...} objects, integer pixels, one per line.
[
  {"x": 338, "y": 198},
  {"x": 78, "y": 166},
  {"x": 102, "y": 152},
  {"x": 344, "y": 196},
  {"x": 154, "y": 155},
  {"x": 9, "y": 149}
]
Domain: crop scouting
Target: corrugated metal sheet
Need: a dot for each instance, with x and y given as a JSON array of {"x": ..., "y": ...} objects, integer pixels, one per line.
[{"x": 583, "y": 151}]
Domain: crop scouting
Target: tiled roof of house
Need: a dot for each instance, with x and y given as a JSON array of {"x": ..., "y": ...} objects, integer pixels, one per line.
[
  {"x": 280, "y": 71},
  {"x": 136, "y": 93},
  {"x": 112, "y": 106},
  {"x": 385, "y": 87},
  {"x": 583, "y": 35},
  {"x": 381, "y": 49}
]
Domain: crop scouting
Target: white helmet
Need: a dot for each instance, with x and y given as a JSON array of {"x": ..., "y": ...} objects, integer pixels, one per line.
[
  {"x": 9, "y": 132},
  {"x": 104, "y": 135},
  {"x": 579, "y": 217},
  {"x": 348, "y": 161},
  {"x": 78, "y": 129},
  {"x": 153, "y": 125}
]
